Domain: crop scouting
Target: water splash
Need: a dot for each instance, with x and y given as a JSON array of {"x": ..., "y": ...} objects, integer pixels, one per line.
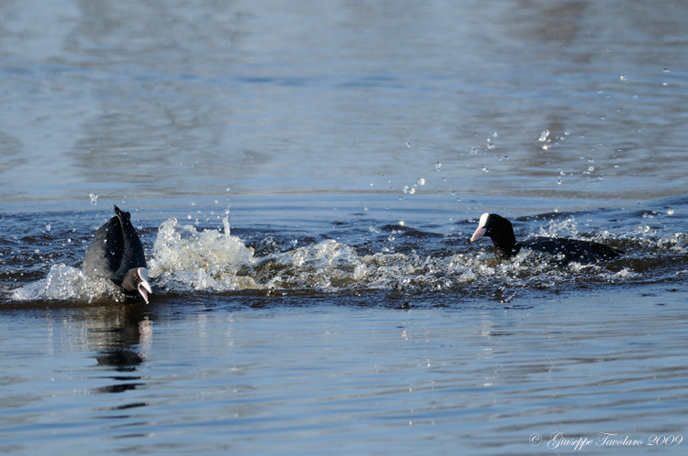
[
  {"x": 184, "y": 258},
  {"x": 567, "y": 227},
  {"x": 65, "y": 283},
  {"x": 326, "y": 267}
]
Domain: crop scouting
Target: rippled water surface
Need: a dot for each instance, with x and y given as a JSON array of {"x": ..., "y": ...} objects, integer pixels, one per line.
[{"x": 305, "y": 178}]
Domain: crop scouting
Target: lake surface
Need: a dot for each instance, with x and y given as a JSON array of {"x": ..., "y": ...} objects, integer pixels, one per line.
[{"x": 305, "y": 178}]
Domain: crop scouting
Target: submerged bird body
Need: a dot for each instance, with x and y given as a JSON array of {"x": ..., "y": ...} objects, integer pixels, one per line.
[
  {"x": 116, "y": 253},
  {"x": 501, "y": 232}
]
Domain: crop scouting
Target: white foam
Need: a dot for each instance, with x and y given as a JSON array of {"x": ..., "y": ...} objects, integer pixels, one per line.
[
  {"x": 325, "y": 266},
  {"x": 186, "y": 259},
  {"x": 209, "y": 260},
  {"x": 65, "y": 283}
]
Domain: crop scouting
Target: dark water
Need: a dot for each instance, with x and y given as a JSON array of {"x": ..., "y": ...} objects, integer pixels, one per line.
[{"x": 305, "y": 178}]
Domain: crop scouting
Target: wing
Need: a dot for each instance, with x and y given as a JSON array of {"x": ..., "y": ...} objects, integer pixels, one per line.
[
  {"x": 573, "y": 249},
  {"x": 132, "y": 255},
  {"x": 104, "y": 255}
]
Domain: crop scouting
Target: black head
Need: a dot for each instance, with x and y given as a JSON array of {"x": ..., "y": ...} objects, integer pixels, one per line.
[
  {"x": 500, "y": 231},
  {"x": 136, "y": 279}
]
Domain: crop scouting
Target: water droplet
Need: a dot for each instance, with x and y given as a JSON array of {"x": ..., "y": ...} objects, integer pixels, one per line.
[
  {"x": 494, "y": 135},
  {"x": 562, "y": 173},
  {"x": 47, "y": 226},
  {"x": 543, "y": 135},
  {"x": 94, "y": 198},
  {"x": 409, "y": 190},
  {"x": 490, "y": 144},
  {"x": 485, "y": 170},
  {"x": 365, "y": 209},
  {"x": 228, "y": 189},
  {"x": 438, "y": 166},
  {"x": 635, "y": 97},
  {"x": 474, "y": 150},
  {"x": 408, "y": 145},
  {"x": 421, "y": 181},
  {"x": 670, "y": 212},
  {"x": 623, "y": 78},
  {"x": 559, "y": 181}
]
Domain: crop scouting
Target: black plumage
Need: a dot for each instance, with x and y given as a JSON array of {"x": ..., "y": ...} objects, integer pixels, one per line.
[
  {"x": 501, "y": 232},
  {"x": 116, "y": 253}
]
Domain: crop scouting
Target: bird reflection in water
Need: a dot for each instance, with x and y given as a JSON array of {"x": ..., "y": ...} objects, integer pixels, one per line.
[{"x": 122, "y": 335}]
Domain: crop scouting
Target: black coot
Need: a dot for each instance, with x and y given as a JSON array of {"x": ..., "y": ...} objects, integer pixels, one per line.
[
  {"x": 116, "y": 253},
  {"x": 501, "y": 232}
]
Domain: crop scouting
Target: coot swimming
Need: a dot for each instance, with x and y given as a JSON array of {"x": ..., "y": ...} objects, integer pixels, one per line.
[
  {"x": 116, "y": 253},
  {"x": 501, "y": 232}
]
